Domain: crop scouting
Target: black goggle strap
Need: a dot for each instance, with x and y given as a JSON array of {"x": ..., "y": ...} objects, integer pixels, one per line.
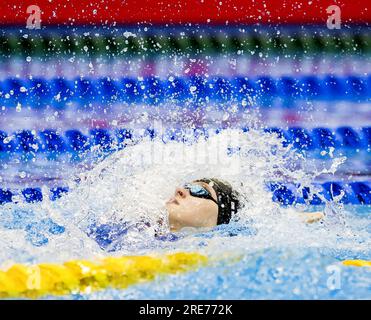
[
  {"x": 226, "y": 205},
  {"x": 227, "y": 208}
]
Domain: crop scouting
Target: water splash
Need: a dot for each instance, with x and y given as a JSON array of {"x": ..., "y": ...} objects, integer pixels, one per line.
[{"x": 133, "y": 184}]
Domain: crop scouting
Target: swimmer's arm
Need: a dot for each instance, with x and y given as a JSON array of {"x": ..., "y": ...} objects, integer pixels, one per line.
[
  {"x": 311, "y": 217},
  {"x": 307, "y": 217}
]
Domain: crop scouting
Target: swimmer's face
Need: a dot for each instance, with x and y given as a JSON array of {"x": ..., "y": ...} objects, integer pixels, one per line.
[{"x": 186, "y": 210}]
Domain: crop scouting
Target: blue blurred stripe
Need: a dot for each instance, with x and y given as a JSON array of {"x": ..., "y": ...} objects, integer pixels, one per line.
[
  {"x": 59, "y": 92},
  {"x": 356, "y": 193},
  {"x": 345, "y": 139}
]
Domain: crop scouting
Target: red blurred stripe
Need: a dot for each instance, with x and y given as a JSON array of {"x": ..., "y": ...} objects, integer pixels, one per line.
[{"x": 184, "y": 11}]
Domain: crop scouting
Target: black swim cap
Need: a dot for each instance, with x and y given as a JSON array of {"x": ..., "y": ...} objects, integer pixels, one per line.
[{"x": 228, "y": 202}]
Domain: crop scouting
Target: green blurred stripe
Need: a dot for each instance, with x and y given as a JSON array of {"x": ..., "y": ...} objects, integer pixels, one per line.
[{"x": 200, "y": 43}]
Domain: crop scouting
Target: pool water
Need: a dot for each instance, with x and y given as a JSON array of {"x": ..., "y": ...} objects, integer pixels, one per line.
[
  {"x": 301, "y": 273},
  {"x": 269, "y": 252},
  {"x": 285, "y": 266},
  {"x": 90, "y": 137}
]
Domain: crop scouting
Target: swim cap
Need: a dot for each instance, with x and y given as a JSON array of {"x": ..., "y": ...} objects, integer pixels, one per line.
[{"x": 228, "y": 202}]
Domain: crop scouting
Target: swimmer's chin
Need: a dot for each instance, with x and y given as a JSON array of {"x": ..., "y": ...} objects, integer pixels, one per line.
[
  {"x": 189, "y": 230},
  {"x": 194, "y": 230}
]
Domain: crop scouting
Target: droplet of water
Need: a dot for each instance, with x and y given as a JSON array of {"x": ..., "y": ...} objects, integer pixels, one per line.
[
  {"x": 18, "y": 108},
  {"x": 8, "y": 139},
  {"x": 193, "y": 89}
]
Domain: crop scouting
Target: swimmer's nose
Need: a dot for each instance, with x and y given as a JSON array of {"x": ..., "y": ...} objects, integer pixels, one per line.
[{"x": 181, "y": 192}]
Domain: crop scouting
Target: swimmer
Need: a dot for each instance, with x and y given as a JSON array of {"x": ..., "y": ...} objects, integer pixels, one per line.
[
  {"x": 208, "y": 203},
  {"x": 203, "y": 203}
]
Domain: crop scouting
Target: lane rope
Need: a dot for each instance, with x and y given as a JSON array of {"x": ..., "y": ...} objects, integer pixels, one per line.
[
  {"x": 164, "y": 43},
  {"x": 357, "y": 263},
  {"x": 83, "y": 276}
]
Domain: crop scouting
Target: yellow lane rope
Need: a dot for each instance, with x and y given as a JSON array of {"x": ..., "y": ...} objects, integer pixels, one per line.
[
  {"x": 357, "y": 263},
  {"x": 82, "y": 276}
]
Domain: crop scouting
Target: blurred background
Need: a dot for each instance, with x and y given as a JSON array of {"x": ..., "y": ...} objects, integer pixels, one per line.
[{"x": 93, "y": 75}]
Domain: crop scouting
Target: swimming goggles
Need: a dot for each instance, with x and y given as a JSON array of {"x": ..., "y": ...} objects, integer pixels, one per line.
[{"x": 199, "y": 191}]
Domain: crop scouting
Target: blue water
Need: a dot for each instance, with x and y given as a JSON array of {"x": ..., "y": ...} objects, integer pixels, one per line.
[
  {"x": 242, "y": 265},
  {"x": 268, "y": 253},
  {"x": 270, "y": 274},
  {"x": 46, "y": 139}
]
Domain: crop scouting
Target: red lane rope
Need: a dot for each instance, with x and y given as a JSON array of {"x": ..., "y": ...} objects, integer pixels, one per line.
[{"x": 77, "y": 12}]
